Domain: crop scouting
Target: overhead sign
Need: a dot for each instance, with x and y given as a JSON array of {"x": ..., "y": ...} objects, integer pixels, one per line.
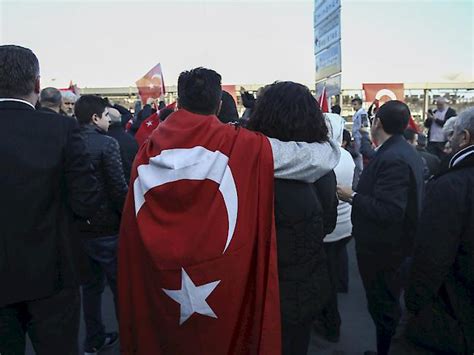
[
  {"x": 328, "y": 62},
  {"x": 333, "y": 86},
  {"x": 327, "y": 32},
  {"x": 324, "y": 8}
]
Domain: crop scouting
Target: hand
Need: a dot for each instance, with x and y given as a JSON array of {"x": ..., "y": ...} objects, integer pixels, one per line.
[
  {"x": 430, "y": 115},
  {"x": 364, "y": 130},
  {"x": 344, "y": 193}
]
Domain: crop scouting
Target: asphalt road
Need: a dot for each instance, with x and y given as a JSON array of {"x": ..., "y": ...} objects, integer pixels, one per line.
[{"x": 357, "y": 331}]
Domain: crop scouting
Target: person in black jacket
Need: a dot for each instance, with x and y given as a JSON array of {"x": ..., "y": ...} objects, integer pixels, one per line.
[
  {"x": 45, "y": 181},
  {"x": 440, "y": 293},
  {"x": 432, "y": 161},
  {"x": 304, "y": 213},
  {"x": 385, "y": 212},
  {"x": 51, "y": 100},
  {"x": 128, "y": 144},
  {"x": 100, "y": 233}
]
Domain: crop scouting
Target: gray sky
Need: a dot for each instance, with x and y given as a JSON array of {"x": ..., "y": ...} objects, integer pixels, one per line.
[{"x": 113, "y": 43}]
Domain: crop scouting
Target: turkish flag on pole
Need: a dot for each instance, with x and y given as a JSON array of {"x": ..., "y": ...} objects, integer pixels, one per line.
[
  {"x": 323, "y": 101},
  {"x": 386, "y": 92},
  {"x": 151, "y": 85},
  {"x": 197, "y": 252}
]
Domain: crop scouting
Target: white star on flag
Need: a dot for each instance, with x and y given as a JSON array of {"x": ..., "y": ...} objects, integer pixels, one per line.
[
  {"x": 192, "y": 298},
  {"x": 151, "y": 86},
  {"x": 149, "y": 123}
]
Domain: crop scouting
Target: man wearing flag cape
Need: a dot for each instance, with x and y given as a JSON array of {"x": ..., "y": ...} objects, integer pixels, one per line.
[{"x": 197, "y": 253}]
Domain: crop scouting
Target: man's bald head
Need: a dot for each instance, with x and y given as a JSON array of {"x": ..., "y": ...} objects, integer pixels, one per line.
[
  {"x": 114, "y": 114},
  {"x": 51, "y": 98},
  {"x": 441, "y": 103}
]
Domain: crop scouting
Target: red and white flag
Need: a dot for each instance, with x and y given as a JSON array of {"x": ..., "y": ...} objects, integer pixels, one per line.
[
  {"x": 151, "y": 85},
  {"x": 149, "y": 125},
  {"x": 323, "y": 101},
  {"x": 383, "y": 92},
  {"x": 197, "y": 254}
]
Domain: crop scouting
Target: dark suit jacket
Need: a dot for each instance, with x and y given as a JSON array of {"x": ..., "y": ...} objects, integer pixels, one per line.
[
  {"x": 388, "y": 201},
  {"x": 46, "y": 177},
  {"x": 128, "y": 147}
]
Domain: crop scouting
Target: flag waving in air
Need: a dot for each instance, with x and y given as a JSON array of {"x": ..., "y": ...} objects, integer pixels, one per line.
[
  {"x": 323, "y": 101},
  {"x": 151, "y": 85},
  {"x": 197, "y": 254}
]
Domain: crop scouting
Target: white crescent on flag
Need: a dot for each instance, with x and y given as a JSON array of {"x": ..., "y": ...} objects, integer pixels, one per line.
[{"x": 196, "y": 163}]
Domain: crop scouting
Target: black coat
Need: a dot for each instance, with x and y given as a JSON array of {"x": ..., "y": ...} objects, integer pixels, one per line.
[
  {"x": 388, "y": 202},
  {"x": 46, "y": 177},
  {"x": 304, "y": 214},
  {"x": 128, "y": 147},
  {"x": 441, "y": 287},
  {"x": 112, "y": 189},
  {"x": 432, "y": 161}
]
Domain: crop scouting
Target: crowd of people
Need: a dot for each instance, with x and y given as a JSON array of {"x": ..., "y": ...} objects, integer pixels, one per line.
[{"x": 95, "y": 195}]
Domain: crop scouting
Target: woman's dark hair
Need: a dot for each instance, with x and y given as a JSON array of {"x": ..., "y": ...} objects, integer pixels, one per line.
[
  {"x": 228, "y": 112},
  {"x": 287, "y": 111}
]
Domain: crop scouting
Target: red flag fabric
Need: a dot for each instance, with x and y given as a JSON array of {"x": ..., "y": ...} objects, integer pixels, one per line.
[
  {"x": 146, "y": 128},
  {"x": 197, "y": 252},
  {"x": 412, "y": 124},
  {"x": 323, "y": 101},
  {"x": 384, "y": 92},
  {"x": 151, "y": 85},
  {"x": 149, "y": 124}
]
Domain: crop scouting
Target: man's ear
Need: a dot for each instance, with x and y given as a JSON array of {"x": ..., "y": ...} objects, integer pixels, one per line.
[
  {"x": 466, "y": 139},
  {"x": 95, "y": 118},
  {"x": 37, "y": 85},
  {"x": 219, "y": 108}
]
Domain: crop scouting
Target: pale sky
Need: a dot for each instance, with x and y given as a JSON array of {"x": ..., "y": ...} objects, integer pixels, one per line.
[{"x": 113, "y": 43}]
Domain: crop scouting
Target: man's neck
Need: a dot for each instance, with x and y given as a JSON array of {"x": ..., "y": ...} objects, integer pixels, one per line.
[
  {"x": 55, "y": 109},
  {"x": 383, "y": 137}
]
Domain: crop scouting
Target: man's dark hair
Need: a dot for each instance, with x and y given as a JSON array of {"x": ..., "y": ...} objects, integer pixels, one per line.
[
  {"x": 336, "y": 109},
  {"x": 410, "y": 134},
  {"x": 164, "y": 113},
  {"x": 394, "y": 116},
  {"x": 19, "y": 69},
  {"x": 287, "y": 111},
  {"x": 357, "y": 99},
  {"x": 87, "y": 106},
  {"x": 200, "y": 91},
  {"x": 50, "y": 97}
]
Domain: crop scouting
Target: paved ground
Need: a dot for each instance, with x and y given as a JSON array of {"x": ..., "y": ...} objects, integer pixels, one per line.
[{"x": 357, "y": 332}]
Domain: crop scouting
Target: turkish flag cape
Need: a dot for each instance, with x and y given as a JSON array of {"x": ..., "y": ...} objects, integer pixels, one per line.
[{"x": 197, "y": 253}]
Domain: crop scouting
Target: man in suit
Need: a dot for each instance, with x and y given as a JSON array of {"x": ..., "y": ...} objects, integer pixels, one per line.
[
  {"x": 50, "y": 100},
  {"x": 45, "y": 181},
  {"x": 128, "y": 144},
  {"x": 436, "y": 136},
  {"x": 385, "y": 212}
]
